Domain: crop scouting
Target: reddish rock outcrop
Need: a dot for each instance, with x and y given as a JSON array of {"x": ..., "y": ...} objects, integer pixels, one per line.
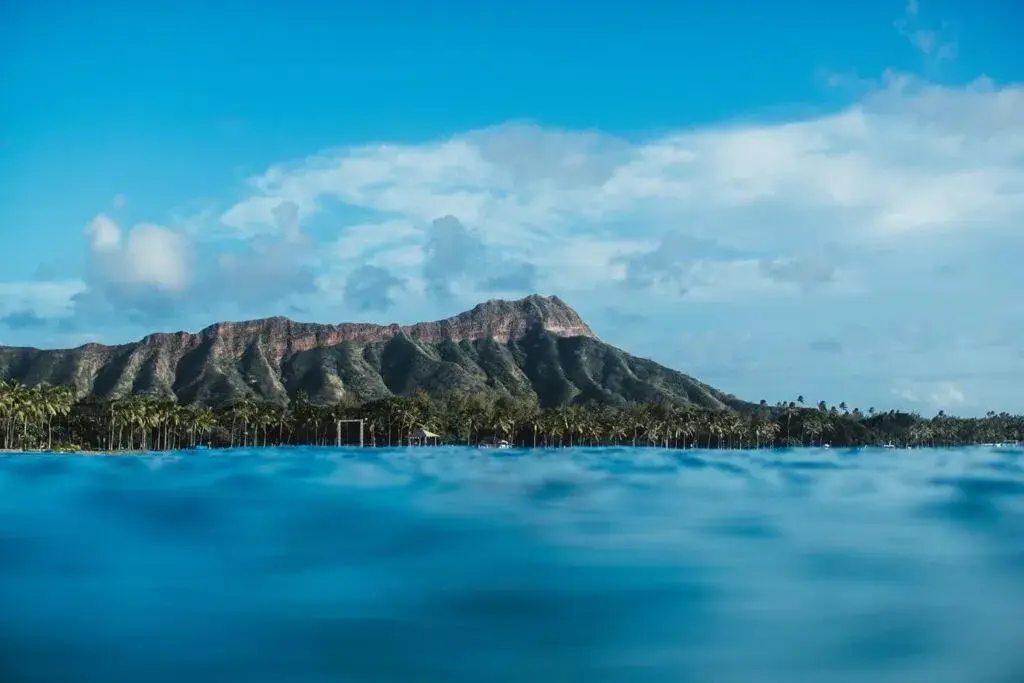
[{"x": 496, "y": 319}]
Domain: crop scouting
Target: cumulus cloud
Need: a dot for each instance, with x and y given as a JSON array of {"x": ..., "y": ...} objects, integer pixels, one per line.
[
  {"x": 148, "y": 256},
  {"x": 140, "y": 273},
  {"x": 286, "y": 219},
  {"x": 674, "y": 260},
  {"x": 24, "y": 304},
  {"x": 149, "y": 273},
  {"x": 516, "y": 278},
  {"x": 910, "y": 159},
  {"x": 369, "y": 288},
  {"x": 454, "y": 252},
  {"x": 263, "y": 273},
  {"x": 104, "y": 234}
]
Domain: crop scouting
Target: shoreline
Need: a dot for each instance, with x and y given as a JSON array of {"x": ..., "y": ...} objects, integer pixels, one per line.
[
  {"x": 178, "y": 452},
  {"x": 15, "y": 451}
]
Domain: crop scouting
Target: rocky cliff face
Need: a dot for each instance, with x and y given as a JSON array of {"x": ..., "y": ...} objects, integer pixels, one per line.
[
  {"x": 536, "y": 346},
  {"x": 499, "y": 320}
]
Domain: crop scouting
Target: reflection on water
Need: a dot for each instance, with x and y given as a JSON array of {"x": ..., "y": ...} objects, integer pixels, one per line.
[{"x": 452, "y": 565}]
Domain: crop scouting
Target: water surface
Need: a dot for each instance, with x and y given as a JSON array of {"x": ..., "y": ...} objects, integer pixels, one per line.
[{"x": 454, "y": 565}]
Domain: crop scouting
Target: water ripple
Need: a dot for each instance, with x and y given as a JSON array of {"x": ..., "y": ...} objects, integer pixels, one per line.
[{"x": 449, "y": 565}]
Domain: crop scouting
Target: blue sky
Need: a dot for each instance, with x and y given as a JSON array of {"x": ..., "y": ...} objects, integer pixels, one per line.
[{"x": 825, "y": 199}]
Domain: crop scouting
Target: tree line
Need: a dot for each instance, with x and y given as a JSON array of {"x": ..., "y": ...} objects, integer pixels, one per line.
[{"x": 53, "y": 418}]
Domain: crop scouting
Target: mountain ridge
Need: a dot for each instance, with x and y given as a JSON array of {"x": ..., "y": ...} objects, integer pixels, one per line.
[
  {"x": 536, "y": 347},
  {"x": 478, "y": 322}
]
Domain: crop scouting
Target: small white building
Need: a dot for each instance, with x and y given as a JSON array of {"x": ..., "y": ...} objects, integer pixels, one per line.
[{"x": 423, "y": 437}]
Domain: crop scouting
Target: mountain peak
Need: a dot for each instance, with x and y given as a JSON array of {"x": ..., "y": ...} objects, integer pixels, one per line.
[{"x": 505, "y": 319}]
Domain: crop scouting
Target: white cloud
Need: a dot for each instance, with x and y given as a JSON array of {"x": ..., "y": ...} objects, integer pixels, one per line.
[
  {"x": 148, "y": 255},
  {"x": 418, "y": 181},
  {"x": 581, "y": 263},
  {"x": 366, "y": 239},
  {"x": 261, "y": 215},
  {"x": 156, "y": 256},
  {"x": 909, "y": 157},
  {"x": 104, "y": 234},
  {"x": 42, "y": 299},
  {"x": 400, "y": 257}
]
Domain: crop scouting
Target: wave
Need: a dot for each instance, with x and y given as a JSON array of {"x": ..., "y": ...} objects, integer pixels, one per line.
[{"x": 452, "y": 564}]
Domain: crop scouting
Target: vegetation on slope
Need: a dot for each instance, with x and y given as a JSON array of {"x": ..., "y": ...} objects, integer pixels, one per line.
[{"x": 540, "y": 367}]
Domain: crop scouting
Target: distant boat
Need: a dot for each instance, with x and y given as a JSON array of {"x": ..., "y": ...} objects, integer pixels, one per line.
[
  {"x": 889, "y": 445},
  {"x": 501, "y": 443}
]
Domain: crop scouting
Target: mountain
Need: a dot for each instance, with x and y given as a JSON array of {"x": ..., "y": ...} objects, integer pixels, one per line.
[{"x": 536, "y": 347}]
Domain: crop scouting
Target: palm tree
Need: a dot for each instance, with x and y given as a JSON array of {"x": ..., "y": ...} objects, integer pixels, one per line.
[
  {"x": 636, "y": 417},
  {"x": 245, "y": 411},
  {"x": 270, "y": 415},
  {"x": 53, "y": 402},
  {"x": 768, "y": 431},
  {"x": 789, "y": 411},
  {"x": 690, "y": 427},
  {"x": 735, "y": 428},
  {"x": 148, "y": 418},
  {"x": 27, "y": 409},
  {"x": 552, "y": 426},
  {"x": 6, "y": 411},
  {"x": 813, "y": 428}
]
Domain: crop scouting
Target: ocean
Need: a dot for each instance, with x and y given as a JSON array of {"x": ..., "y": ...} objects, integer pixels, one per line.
[{"x": 452, "y": 565}]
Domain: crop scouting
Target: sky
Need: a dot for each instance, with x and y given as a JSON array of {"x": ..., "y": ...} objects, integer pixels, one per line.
[{"x": 781, "y": 199}]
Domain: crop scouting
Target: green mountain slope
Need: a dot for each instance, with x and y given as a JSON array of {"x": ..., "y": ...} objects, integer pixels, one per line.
[{"x": 535, "y": 347}]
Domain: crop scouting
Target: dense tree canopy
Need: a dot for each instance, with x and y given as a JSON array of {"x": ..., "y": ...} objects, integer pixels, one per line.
[{"x": 51, "y": 418}]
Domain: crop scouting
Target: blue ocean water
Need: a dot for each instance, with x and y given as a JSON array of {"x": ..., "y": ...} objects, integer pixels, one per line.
[{"x": 454, "y": 565}]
